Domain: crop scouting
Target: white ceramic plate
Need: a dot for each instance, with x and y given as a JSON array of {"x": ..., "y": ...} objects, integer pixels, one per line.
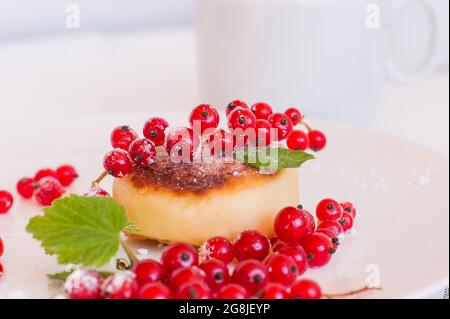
[{"x": 400, "y": 189}]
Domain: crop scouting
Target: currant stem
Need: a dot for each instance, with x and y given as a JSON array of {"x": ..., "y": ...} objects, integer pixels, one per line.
[
  {"x": 122, "y": 264},
  {"x": 131, "y": 256},
  {"x": 309, "y": 128},
  {"x": 99, "y": 179},
  {"x": 350, "y": 293}
]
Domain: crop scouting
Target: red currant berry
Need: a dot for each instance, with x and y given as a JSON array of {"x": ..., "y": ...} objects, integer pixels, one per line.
[
  {"x": 48, "y": 190},
  {"x": 282, "y": 123},
  {"x": 154, "y": 130},
  {"x": 216, "y": 272},
  {"x": 317, "y": 140},
  {"x": 148, "y": 271},
  {"x": 219, "y": 248},
  {"x": 328, "y": 209},
  {"x": 122, "y": 137},
  {"x": 346, "y": 221},
  {"x": 121, "y": 285},
  {"x": 263, "y": 134},
  {"x": 282, "y": 269},
  {"x": 228, "y": 142},
  {"x": 66, "y": 174},
  {"x": 178, "y": 255},
  {"x": 182, "y": 275},
  {"x": 330, "y": 234},
  {"x": 181, "y": 143},
  {"x": 262, "y": 110},
  {"x": 273, "y": 290},
  {"x": 241, "y": 118},
  {"x": 291, "y": 224},
  {"x": 349, "y": 208},
  {"x": 155, "y": 290},
  {"x": 97, "y": 191},
  {"x": 311, "y": 220},
  {"x": 2, "y": 247},
  {"x": 220, "y": 142},
  {"x": 117, "y": 163},
  {"x": 334, "y": 226},
  {"x": 25, "y": 187},
  {"x": 45, "y": 172},
  {"x": 251, "y": 244},
  {"x": 305, "y": 289},
  {"x": 298, "y": 254},
  {"x": 84, "y": 284},
  {"x": 1, "y": 270},
  {"x": 6, "y": 201},
  {"x": 235, "y": 104},
  {"x": 206, "y": 115},
  {"x": 233, "y": 291},
  {"x": 251, "y": 274},
  {"x": 194, "y": 289},
  {"x": 318, "y": 248},
  {"x": 276, "y": 244},
  {"x": 143, "y": 152},
  {"x": 294, "y": 114},
  {"x": 297, "y": 140}
]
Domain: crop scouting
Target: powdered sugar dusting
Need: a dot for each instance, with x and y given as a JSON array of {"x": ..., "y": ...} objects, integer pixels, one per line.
[
  {"x": 118, "y": 280},
  {"x": 421, "y": 178},
  {"x": 87, "y": 280},
  {"x": 142, "y": 252},
  {"x": 204, "y": 252}
]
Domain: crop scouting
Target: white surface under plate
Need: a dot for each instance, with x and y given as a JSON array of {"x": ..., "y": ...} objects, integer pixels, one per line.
[{"x": 399, "y": 188}]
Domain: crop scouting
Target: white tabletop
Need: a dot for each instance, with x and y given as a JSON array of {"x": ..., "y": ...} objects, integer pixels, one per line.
[{"x": 84, "y": 74}]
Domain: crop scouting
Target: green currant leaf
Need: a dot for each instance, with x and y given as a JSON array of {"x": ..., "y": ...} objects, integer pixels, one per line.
[
  {"x": 62, "y": 276},
  {"x": 272, "y": 157},
  {"x": 132, "y": 227},
  {"x": 80, "y": 230}
]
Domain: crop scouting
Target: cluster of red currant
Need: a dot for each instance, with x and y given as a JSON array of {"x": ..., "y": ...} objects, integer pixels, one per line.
[
  {"x": 46, "y": 186},
  {"x": 131, "y": 150},
  {"x": 204, "y": 119},
  {"x": 260, "y": 116},
  {"x": 320, "y": 240},
  {"x": 266, "y": 269}
]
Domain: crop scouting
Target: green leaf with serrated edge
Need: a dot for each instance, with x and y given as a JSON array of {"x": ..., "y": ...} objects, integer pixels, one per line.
[
  {"x": 132, "y": 227},
  {"x": 80, "y": 230},
  {"x": 272, "y": 157},
  {"x": 62, "y": 276}
]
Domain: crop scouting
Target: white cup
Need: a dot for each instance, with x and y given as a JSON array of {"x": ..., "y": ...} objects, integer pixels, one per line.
[{"x": 323, "y": 56}]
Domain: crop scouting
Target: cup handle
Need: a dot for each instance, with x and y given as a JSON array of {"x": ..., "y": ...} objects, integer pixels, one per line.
[{"x": 429, "y": 63}]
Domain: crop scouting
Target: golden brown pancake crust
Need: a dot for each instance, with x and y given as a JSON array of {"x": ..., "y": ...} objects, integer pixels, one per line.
[{"x": 191, "y": 177}]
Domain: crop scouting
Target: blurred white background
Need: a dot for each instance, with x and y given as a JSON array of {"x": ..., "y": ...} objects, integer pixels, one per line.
[
  {"x": 21, "y": 19},
  {"x": 28, "y": 18},
  {"x": 143, "y": 54}
]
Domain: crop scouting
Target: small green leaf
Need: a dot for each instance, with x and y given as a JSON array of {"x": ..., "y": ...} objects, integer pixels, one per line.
[
  {"x": 62, "y": 276},
  {"x": 80, "y": 230},
  {"x": 272, "y": 157},
  {"x": 132, "y": 227}
]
